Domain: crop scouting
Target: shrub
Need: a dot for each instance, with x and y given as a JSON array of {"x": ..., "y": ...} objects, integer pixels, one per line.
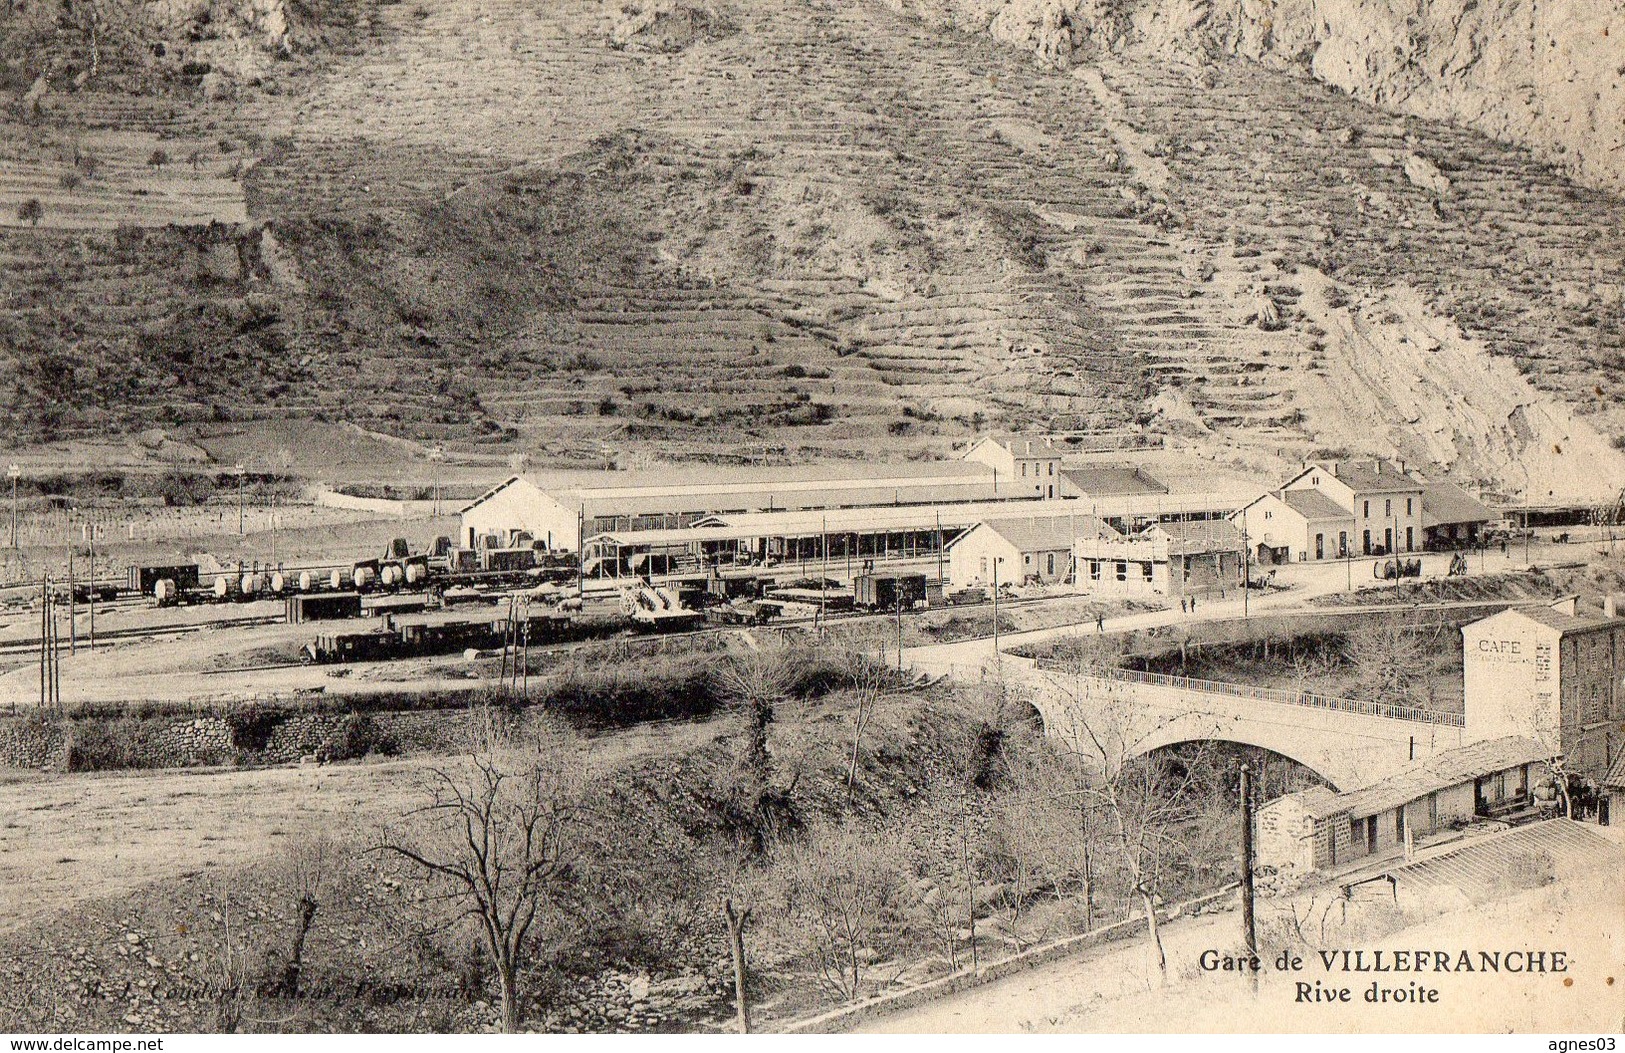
[
  {"x": 251, "y": 726},
  {"x": 113, "y": 745},
  {"x": 658, "y": 688},
  {"x": 359, "y": 735}
]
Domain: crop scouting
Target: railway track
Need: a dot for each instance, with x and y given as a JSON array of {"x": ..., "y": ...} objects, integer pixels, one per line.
[{"x": 32, "y": 645}]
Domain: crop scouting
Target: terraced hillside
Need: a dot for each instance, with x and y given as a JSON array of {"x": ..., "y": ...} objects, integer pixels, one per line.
[{"x": 830, "y": 226}]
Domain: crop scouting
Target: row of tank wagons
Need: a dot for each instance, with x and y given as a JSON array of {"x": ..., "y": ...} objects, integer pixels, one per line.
[
  {"x": 184, "y": 584},
  {"x": 398, "y": 570}
]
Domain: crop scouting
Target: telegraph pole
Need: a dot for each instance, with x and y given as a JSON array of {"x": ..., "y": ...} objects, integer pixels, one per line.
[
  {"x": 44, "y": 635},
  {"x": 1249, "y": 929},
  {"x": 238, "y": 468},
  {"x": 1246, "y": 566},
  {"x": 823, "y": 580},
  {"x": 14, "y": 471},
  {"x": 940, "y": 578},
  {"x": 997, "y": 662},
  {"x": 73, "y": 622},
  {"x": 92, "y": 577}
]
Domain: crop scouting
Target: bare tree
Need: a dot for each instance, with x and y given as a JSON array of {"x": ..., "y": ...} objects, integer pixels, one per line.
[
  {"x": 307, "y": 871},
  {"x": 870, "y": 677},
  {"x": 225, "y": 976},
  {"x": 1313, "y": 672},
  {"x": 1143, "y": 801},
  {"x": 31, "y": 211},
  {"x": 1390, "y": 659},
  {"x": 497, "y": 834},
  {"x": 842, "y": 893},
  {"x": 756, "y": 681},
  {"x": 1045, "y": 837}
]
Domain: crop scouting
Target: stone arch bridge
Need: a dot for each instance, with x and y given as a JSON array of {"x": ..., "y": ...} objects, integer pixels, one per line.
[{"x": 1115, "y": 715}]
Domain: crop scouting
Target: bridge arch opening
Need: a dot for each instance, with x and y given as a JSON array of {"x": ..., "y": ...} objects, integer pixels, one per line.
[{"x": 1215, "y": 763}]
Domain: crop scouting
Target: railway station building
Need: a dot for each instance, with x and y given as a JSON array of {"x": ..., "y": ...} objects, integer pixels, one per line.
[
  {"x": 684, "y": 519},
  {"x": 1030, "y": 465},
  {"x": 1341, "y": 509}
]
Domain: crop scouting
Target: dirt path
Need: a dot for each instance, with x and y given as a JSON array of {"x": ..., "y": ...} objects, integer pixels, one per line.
[{"x": 67, "y": 838}]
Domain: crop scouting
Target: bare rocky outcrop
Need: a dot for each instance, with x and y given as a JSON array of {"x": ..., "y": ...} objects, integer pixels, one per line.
[
  {"x": 1543, "y": 75},
  {"x": 668, "y": 26}
]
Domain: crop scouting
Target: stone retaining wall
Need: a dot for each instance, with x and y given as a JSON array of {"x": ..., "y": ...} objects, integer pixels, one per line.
[
  {"x": 28, "y": 742},
  {"x": 194, "y": 741}
]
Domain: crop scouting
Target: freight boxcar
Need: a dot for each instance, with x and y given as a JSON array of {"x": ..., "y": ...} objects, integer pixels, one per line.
[
  {"x": 352, "y": 647},
  {"x": 507, "y": 560},
  {"x": 184, "y": 575},
  {"x": 319, "y": 606},
  {"x": 889, "y": 591}
]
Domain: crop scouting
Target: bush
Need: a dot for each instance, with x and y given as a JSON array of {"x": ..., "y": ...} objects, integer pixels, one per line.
[
  {"x": 113, "y": 745},
  {"x": 658, "y": 688},
  {"x": 357, "y": 736},
  {"x": 251, "y": 726}
]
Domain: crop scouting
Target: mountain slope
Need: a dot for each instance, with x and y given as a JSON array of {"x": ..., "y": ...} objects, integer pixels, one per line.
[{"x": 836, "y": 228}]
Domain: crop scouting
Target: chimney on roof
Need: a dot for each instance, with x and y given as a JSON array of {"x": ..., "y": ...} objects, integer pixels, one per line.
[
  {"x": 1611, "y": 605},
  {"x": 1569, "y": 605}
]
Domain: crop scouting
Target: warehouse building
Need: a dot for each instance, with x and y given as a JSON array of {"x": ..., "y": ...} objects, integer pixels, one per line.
[
  {"x": 1452, "y": 518},
  {"x": 1020, "y": 551},
  {"x": 559, "y": 516},
  {"x": 1319, "y": 829}
]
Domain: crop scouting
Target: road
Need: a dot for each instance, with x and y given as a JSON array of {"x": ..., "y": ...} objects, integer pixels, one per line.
[
  {"x": 966, "y": 658},
  {"x": 1117, "y": 989}
]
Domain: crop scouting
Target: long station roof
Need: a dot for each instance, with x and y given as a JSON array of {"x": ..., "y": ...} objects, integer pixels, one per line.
[
  {"x": 759, "y": 489},
  {"x": 883, "y": 518}
]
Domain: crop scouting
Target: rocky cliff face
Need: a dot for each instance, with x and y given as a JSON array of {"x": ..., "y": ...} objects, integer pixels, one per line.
[
  {"x": 1546, "y": 74},
  {"x": 137, "y": 44}
]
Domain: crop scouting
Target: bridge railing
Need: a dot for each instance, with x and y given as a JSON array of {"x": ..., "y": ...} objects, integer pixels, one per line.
[{"x": 1313, "y": 700}]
